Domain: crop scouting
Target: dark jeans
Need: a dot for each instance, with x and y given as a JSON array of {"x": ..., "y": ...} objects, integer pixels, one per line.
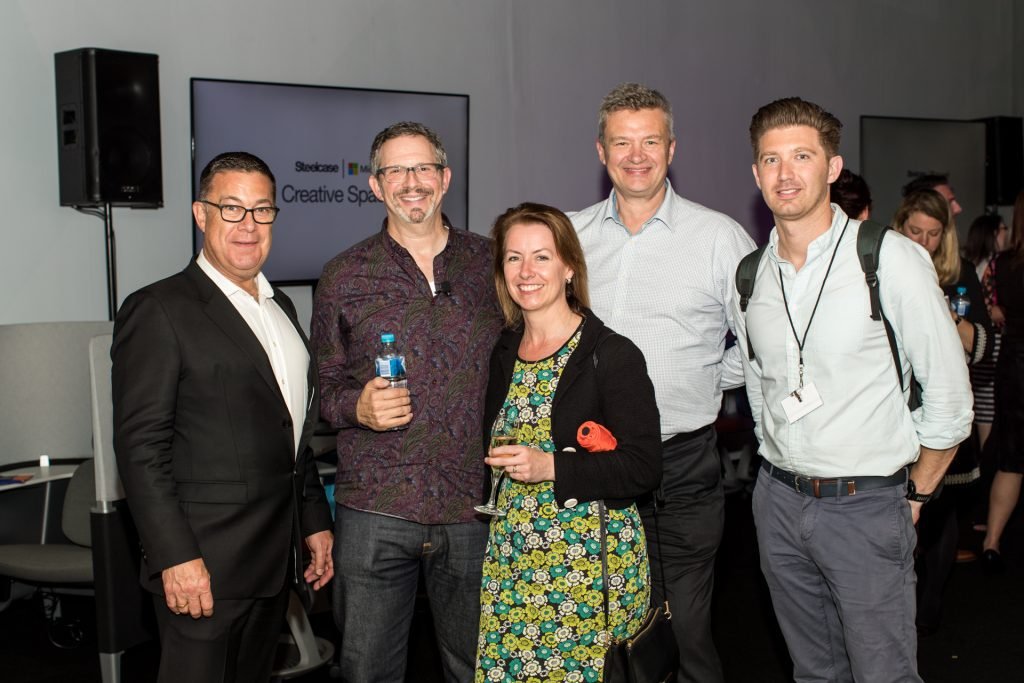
[
  {"x": 841, "y": 575},
  {"x": 377, "y": 561},
  {"x": 685, "y": 540}
]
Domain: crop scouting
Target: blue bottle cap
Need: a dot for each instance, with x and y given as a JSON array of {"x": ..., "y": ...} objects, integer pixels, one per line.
[{"x": 387, "y": 337}]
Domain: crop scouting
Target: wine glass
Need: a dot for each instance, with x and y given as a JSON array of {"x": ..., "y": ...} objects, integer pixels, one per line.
[{"x": 497, "y": 440}]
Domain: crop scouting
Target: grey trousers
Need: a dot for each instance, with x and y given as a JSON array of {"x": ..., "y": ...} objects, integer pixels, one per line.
[{"x": 841, "y": 575}]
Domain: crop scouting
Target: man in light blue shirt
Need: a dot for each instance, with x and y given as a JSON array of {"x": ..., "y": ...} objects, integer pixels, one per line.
[
  {"x": 661, "y": 271},
  {"x": 842, "y": 450}
]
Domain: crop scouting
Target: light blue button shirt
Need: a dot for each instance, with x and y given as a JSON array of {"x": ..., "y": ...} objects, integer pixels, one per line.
[{"x": 668, "y": 288}]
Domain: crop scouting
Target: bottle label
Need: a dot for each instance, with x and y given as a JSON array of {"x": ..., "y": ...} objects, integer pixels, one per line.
[
  {"x": 391, "y": 367},
  {"x": 962, "y": 307}
]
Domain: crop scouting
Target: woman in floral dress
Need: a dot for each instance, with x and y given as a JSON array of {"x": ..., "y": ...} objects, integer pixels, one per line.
[{"x": 555, "y": 367}]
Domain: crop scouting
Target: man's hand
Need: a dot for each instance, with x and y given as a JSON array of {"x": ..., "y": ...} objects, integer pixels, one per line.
[
  {"x": 187, "y": 589},
  {"x": 927, "y": 473},
  {"x": 381, "y": 408},
  {"x": 321, "y": 565},
  {"x": 915, "y": 510}
]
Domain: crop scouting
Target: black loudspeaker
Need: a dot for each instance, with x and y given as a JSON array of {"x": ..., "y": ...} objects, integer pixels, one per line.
[
  {"x": 1004, "y": 159},
  {"x": 108, "y": 128}
]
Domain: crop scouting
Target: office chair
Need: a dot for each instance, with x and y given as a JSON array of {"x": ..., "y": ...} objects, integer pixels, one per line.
[{"x": 59, "y": 565}]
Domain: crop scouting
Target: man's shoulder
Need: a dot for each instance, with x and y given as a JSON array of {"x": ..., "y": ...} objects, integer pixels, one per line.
[
  {"x": 899, "y": 251},
  {"x": 687, "y": 210},
  {"x": 580, "y": 219},
  {"x": 353, "y": 258},
  {"x": 175, "y": 297},
  {"x": 180, "y": 284},
  {"x": 470, "y": 241}
]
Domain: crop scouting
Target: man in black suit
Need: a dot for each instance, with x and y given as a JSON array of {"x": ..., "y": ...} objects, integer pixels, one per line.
[{"x": 214, "y": 404}]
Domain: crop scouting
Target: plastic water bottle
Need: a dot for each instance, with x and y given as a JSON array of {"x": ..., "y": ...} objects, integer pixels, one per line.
[
  {"x": 390, "y": 363},
  {"x": 960, "y": 304}
]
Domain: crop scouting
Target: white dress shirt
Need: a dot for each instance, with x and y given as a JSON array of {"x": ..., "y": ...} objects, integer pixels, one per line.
[
  {"x": 864, "y": 426},
  {"x": 668, "y": 289},
  {"x": 287, "y": 354}
]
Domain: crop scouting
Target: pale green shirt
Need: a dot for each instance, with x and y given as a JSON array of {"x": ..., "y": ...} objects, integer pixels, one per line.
[{"x": 864, "y": 426}]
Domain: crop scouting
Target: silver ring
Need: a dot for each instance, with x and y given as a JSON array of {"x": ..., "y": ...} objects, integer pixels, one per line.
[{"x": 515, "y": 468}]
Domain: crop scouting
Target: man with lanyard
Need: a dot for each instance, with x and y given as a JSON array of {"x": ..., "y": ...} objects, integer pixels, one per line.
[
  {"x": 661, "y": 271},
  {"x": 842, "y": 450}
]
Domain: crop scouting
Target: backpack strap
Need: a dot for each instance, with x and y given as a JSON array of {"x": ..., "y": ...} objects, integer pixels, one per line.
[
  {"x": 869, "y": 248},
  {"x": 746, "y": 274}
]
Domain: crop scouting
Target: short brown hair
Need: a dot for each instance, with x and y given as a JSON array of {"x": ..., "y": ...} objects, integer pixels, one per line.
[
  {"x": 793, "y": 111},
  {"x": 400, "y": 129},
  {"x": 234, "y": 161},
  {"x": 567, "y": 248},
  {"x": 634, "y": 97}
]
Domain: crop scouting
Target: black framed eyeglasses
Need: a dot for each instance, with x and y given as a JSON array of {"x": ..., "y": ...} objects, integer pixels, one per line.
[
  {"x": 396, "y": 174},
  {"x": 232, "y": 213}
]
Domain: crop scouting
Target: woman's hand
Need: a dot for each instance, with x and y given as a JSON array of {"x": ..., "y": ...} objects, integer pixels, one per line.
[{"x": 523, "y": 463}]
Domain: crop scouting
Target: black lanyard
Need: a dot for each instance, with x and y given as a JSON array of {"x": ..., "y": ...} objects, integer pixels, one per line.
[{"x": 800, "y": 342}]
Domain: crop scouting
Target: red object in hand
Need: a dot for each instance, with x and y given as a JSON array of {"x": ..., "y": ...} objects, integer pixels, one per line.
[{"x": 595, "y": 437}]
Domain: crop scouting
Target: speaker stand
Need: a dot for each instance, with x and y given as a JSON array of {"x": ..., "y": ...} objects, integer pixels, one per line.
[
  {"x": 106, "y": 213},
  {"x": 111, "y": 248}
]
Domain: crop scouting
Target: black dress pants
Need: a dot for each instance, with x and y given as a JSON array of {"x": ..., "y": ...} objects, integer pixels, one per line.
[
  {"x": 684, "y": 541},
  {"x": 236, "y": 644}
]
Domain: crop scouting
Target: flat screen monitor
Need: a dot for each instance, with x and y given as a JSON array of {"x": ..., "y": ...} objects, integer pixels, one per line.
[{"x": 316, "y": 140}]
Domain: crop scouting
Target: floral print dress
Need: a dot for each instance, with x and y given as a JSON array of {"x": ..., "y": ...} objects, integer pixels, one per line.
[{"x": 542, "y": 615}]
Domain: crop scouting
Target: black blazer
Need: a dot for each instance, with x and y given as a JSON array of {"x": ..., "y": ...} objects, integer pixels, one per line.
[
  {"x": 204, "y": 440},
  {"x": 605, "y": 381}
]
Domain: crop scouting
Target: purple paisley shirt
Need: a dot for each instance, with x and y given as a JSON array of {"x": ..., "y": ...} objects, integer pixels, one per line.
[{"x": 432, "y": 472}]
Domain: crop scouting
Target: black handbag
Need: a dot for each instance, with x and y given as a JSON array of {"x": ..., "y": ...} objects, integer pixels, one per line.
[{"x": 650, "y": 655}]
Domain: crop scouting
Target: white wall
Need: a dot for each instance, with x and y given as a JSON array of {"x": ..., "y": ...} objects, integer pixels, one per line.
[{"x": 535, "y": 71}]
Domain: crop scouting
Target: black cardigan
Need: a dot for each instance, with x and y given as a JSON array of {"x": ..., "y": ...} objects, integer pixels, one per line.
[{"x": 605, "y": 381}]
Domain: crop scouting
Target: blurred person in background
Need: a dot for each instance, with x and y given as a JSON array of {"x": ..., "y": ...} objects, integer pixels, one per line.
[
  {"x": 986, "y": 238},
  {"x": 852, "y": 194},
  {"x": 1008, "y": 427},
  {"x": 926, "y": 217},
  {"x": 939, "y": 183}
]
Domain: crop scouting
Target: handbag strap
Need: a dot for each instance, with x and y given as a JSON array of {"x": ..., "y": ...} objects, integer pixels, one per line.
[{"x": 602, "y": 512}]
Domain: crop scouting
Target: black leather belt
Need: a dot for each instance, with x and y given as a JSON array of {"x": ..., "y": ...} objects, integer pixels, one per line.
[
  {"x": 683, "y": 437},
  {"x": 836, "y": 486}
]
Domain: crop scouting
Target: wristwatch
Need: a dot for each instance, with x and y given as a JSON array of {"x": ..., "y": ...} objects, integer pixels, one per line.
[{"x": 913, "y": 495}]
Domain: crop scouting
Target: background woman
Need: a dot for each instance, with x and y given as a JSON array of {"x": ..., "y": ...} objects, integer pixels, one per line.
[
  {"x": 555, "y": 367},
  {"x": 985, "y": 239},
  {"x": 925, "y": 217},
  {"x": 1008, "y": 428}
]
